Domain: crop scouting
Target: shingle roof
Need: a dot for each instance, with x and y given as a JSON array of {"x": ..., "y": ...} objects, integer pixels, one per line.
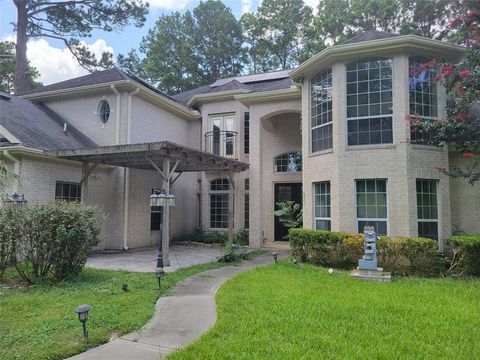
[
  {"x": 370, "y": 35},
  {"x": 98, "y": 77},
  {"x": 37, "y": 126},
  {"x": 250, "y": 83}
]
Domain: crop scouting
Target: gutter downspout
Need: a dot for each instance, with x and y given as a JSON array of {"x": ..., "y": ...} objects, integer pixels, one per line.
[
  {"x": 16, "y": 168},
  {"x": 126, "y": 179},
  {"x": 117, "y": 114}
]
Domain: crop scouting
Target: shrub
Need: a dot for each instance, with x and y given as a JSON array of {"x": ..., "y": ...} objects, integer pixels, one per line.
[
  {"x": 343, "y": 250},
  {"x": 241, "y": 238},
  {"x": 465, "y": 254},
  {"x": 52, "y": 240},
  {"x": 9, "y": 230}
]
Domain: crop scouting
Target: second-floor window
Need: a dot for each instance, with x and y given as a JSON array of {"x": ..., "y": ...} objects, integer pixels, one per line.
[
  {"x": 321, "y": 111},
  {"x": 289, "y": 162},
  {"x": 369, "y": 102},
  {"x": 422, "y": 95},
  {"x": 221, "y": 137},
  {"x": 246, "y": 133}
]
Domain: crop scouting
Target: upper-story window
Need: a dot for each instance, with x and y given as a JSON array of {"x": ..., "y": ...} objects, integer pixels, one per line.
[
  {"x": 220, "y": 139},
  {"x": 246, "y": 133},
  {"x": 289, "y": 162},
  {"x": 103, "y": 111},
  {"x": 369, "y": 101},
  {"x": 422, "y": 94},
  {"x": 321, "y": 111}
]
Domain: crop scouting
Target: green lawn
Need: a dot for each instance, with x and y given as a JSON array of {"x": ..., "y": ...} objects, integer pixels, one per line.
[
  {"x": 38, "y": 322},
  {"x": 285, "y": 311}
]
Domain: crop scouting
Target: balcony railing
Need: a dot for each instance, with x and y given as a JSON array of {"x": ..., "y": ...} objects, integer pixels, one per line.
[{"x": 221, "y": 142}]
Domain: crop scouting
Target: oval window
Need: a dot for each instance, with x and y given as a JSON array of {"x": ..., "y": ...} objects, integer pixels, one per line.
[{"x": 104, "y": 111}]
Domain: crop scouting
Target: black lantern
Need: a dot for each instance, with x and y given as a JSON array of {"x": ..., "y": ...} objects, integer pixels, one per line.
[
  {"x": 16, "y": 199},
  {"x": 82, "y": 312},
  {"x": 275, "y": 257}
]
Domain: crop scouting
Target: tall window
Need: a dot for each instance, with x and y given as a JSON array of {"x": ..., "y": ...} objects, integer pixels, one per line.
[
  {"x": 372, "y": 205},
  {"x": 67, "y": 191},
  {"x": 289, "y": 162},
  {"x": 223, "y": 135},
  {"x": 427, "y": 210},
  {"x": 321, "y": 198},
  {"x": 321, "y": 111},
  {"x": 422, "y": 94},
  {"x": 247, "y": 204},
  {"x": 219, "y": 191},
  {"x": 369, "y": 102},
  {"x": 246, "y": 133}
]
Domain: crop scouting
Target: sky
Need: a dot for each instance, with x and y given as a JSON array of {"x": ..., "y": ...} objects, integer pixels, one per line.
[{"x": 54, "y": 61}]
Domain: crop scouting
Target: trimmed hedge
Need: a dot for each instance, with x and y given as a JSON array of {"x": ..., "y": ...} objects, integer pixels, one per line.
[
  {"x": 465, "y": 254},
  {"x": 417, "y": 256}
]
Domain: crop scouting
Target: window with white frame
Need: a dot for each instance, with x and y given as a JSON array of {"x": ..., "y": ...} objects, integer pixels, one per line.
[
  {"x": 321, "y": 111},
  {"x": 427, "y": 208},
  {"x": 289, "y": 162},
  {"x": 219, "y": 194},
  {"x": 223, "y": 134},
  {"x": 372, "y": 205},
  {"x": 369, "y": 102},
  {"x": 422, "y": 95},
  {"x": 321, "y": 203},
  {"x": 67, "y": 191}
]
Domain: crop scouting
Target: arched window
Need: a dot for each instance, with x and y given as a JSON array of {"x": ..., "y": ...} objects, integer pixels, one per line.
[
  {"x": 219, "y": 199},
  {"x": 422, "y": 93},
  {"x": 103, "y": 111},
  {"x": 289, "y": 162},
  {"x": 369, "y": 101},
  {"x": 321, "y": 111}
]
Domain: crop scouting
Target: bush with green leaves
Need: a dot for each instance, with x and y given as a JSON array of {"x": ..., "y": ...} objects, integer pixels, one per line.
[
  {"x": 10, "y": 227},
  {"x": 290, "y": 215},
  {"x": 50, "y": 241},
  {"x": 417, "y": 256},
  {"x": 465, "y": 254}
]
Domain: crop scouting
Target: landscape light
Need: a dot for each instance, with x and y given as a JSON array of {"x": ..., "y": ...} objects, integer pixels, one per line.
[
  {"x": 82, "y": 312},
  {"x": 159, "y": 273},
  {"x": 275, "y": 256}
]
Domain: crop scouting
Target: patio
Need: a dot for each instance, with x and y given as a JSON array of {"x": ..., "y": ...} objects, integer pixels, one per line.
[{"x": 145, "y": 259}]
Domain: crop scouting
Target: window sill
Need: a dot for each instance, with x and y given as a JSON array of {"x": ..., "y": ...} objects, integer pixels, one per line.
[
  {"x": 321, "y": 152},
  {"x": 370, "y": 147}
]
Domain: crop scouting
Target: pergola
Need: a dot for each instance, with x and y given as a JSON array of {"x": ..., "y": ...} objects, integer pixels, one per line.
[{"x": 168, "y": 159}]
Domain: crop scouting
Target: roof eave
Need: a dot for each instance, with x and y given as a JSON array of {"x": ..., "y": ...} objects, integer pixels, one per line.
[
  {"x": 215, "y": 96},
  {"x": 406, "y": 42},
  {"x": 272, "y": 95}
]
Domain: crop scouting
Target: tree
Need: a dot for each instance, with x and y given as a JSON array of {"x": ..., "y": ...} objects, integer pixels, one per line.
[
  {"x": 7, "y": 68},
  {"x": 184, "y": 51},
  {"x": 256, "y": 46},
  {"x": 461, "y": 127},
  {"x": 68, "y": 21},
  {"x": 284, "y": 25}
]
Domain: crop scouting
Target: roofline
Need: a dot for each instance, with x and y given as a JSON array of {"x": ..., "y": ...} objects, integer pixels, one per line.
[
  {"x": 163, "y": 101},
  {"x": 272, "y": 95},
  {"x": 215, "y": 96},
  {"x": 398, "y": 42},
  {"x": 8, "y": 135}
]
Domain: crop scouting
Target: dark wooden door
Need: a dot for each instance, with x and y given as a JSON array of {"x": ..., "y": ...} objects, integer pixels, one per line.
[{"x": 285, "y": 192}]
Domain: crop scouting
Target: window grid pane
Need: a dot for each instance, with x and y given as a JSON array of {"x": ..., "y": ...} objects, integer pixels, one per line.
[
  {"x": 369, "y": 99},
  {"x": 219, "y": 211},
  {"x": 427, "y": 208},
  {"x": 322, "y": 203},
  {"x": 372, "y": 205},
  {"x": 67, "y": 191},
  {"x": 247, "y": 204},
  {"x": 246, "y": 133},
  {"x": 321, "y": 111},
  {"x": 423, "y": 96},
  {"x": 289, "y": 162}
]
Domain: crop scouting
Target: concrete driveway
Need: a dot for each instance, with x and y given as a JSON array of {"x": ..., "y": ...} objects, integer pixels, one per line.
[{"x": 145, "y": 259}]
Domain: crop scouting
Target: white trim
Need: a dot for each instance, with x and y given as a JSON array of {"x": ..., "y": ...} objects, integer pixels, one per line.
[{"x": 8, "y": 135}]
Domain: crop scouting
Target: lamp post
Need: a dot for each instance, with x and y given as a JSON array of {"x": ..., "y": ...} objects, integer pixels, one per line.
[
  {"x": 82, "y": 312},
  {"x": 160, "y": 198}
]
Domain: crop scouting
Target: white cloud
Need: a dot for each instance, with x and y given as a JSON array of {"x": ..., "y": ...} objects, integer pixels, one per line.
[
  {"x": 246, "y": 4},
  {"x": 169, "y": 4},
  {"x": 58, "y": 64}
]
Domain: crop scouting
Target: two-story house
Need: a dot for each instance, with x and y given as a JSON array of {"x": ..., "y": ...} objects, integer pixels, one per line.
[{"x": 331, "y": 134}]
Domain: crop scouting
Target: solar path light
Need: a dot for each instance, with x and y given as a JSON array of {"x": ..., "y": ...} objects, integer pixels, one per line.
[
  {"x": 82, "y": 312},
  {"x": 275, "y": 257}
]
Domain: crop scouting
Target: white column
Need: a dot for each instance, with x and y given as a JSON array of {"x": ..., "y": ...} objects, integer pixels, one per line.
[{"x": 166, "y": 214}]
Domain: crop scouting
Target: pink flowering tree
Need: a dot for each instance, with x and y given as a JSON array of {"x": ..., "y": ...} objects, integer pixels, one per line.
[{"x": 461, "y": 127}]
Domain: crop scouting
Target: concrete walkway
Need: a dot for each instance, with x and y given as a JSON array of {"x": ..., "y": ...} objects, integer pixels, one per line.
[{"x": 179, "y": 318}]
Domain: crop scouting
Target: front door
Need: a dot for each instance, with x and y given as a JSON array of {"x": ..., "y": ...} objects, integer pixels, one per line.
[{"x": 285, "y": 192}]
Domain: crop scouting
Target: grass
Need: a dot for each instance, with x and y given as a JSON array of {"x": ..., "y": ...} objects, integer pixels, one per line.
[
  {"x": 38, "y": 322},
  {"x": 284, "y": 311}
]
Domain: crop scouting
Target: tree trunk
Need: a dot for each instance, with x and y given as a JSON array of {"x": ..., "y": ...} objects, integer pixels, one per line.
[{"x": 21, "y": 62}]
